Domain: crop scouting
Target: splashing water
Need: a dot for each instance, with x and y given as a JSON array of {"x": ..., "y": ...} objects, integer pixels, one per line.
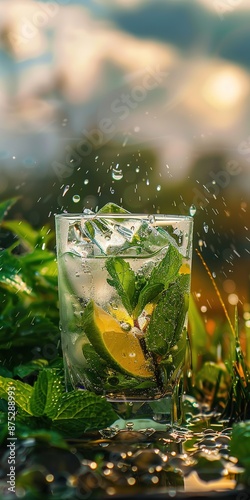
[
  {"x": 65, "y": 190},
  {"x": 76, "y": 198},
  {"x": 117, "y": 173},
  {"x": 192, "y": 210}
]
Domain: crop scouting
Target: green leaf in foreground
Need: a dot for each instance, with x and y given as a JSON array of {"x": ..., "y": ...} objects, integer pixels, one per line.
[
  {"x": 21, "y": 393},
  {"x": 47, "y": 405},
  {"x": 123, "y": 280},
  {"x": 47, "y": 393},
  {"x": 81, "y": 411}
]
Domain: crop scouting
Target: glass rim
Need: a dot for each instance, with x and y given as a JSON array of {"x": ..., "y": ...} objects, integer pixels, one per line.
[{"x": 132, "y": 215}]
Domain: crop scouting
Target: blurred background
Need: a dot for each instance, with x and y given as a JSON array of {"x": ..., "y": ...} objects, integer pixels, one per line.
[{"x": 144, "y": 103}]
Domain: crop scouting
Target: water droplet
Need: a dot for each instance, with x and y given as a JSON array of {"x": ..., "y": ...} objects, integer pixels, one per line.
[
  {"x": 86, "y": 181},
  {"x": 76, "y": 198},
  {"x": 117, "y": 174},
  {"x": 65, "y": 190},
  {"x": 126, "y": 327},
  {"x": 151, "y": 219},
  {"x": 112, "y": 191},
  {"x": 137, "y": 170},
  {"x": 147, "y": 182},
  {"x": 205, "y": 227},
  {"x": 132, "y": 354},
  {"x": 129, "y": 426},
  {"x": 158, "y": 188},
  {"x": 192, "y": 210}
]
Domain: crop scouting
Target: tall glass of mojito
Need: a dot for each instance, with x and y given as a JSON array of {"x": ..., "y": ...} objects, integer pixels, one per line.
[{"x": 124, "y": 285}]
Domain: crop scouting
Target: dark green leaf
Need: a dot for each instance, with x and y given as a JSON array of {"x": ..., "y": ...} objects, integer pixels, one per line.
[
  {"x": 147, "y": 294},
  {"x": 5, "y": 206},
  {"x": 123, "y": 280},
  {"x": 23, "y": 370},
  {"x": 47, "y": 393},
  {"x": 168, "y": 317},
  {"x": 167, "y": 269},
  {"x": 80, "y": 411}
]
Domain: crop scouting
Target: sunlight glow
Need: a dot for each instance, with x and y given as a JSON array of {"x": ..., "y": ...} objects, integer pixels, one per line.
[{"x": 224, "y": 88}]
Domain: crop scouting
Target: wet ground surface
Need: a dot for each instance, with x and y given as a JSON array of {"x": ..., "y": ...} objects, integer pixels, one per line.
[{"x": 181, "y": 462}]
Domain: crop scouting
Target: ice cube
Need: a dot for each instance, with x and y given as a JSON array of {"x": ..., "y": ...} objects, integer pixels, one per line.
[
  {"x": 121, "y": 236},
  {"x": 104, "y": 234},
  {"x": 78, "y": 243}
]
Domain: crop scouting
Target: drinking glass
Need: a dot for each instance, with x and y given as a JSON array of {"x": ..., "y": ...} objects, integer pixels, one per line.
[{"x": 124, "y": 285}]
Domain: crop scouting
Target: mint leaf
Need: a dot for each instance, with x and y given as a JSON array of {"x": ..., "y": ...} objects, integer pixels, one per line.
[
  {"x": 165, "y": 272},
  {"x": 168, "y": 317},
  {"x": 81, "y": 411},
  {"x": 147, "y": 294},
  {"x": 112, "y": 208},
  {"x": 167, "y": 269},
  {"x": 48, "y": 391},
  {"x": 123, "y": 280},
  {"x": 21, "y": 392}
]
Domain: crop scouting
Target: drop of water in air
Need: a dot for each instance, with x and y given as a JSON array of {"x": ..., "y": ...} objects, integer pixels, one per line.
[
  {"x": 65, "y": 190},
  {"x": 158, "y": 188},
  {"x": 205, "y": 227},
  {"x": 76, "y": 198},
  {"x": 86, "y": 181},
  {"x": 192, "y": 210},
  {"x": 117, "y": 174}
]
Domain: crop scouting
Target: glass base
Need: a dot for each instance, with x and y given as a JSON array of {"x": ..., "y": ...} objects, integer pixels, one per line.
[{"x": 153, "y": 414}]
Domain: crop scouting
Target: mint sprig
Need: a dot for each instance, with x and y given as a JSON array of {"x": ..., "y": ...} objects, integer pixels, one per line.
[
  {"x": 168, "y": 289},
  {"x": 123, "y": 280},
  {"x": 134, "y": 290},
  {"x": 71, "y": 413}
]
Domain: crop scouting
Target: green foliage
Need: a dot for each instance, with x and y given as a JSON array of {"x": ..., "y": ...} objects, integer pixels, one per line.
[
  {"x": 28, "y": 292},
  {"x": 71, "y": 413}
]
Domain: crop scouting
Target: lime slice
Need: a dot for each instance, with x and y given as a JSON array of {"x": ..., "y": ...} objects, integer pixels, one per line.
[{"x": 121, "y": 349}]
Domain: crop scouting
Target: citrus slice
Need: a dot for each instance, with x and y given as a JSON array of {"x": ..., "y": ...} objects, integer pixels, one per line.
[{"x": 121, "y": 349}]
